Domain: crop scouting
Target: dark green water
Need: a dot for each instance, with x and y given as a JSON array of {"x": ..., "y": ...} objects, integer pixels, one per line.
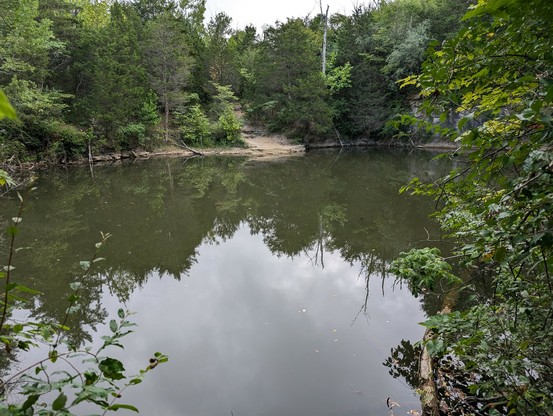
[{"x": 250, "y": 275}]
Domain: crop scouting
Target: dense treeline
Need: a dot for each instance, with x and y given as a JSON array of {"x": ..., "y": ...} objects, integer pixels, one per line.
[{"x": 106, "y": 75}]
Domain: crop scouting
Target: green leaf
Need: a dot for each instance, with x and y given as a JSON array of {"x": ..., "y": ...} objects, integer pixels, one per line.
[
  {"x": 116, "y": 407},
  {"x": 60, "y": 402},
  {"x": 32, "y": 399},
  {"x": 113, "y": 325},
  {"x": 112, "y": 368},
  {"x": 90, "y": 378},
  {"x": 6, "y": 110},
  {"x": 72, "y": 298},
  {"x": 121, "y": 313},
  {"x": 434, "y": 347}
]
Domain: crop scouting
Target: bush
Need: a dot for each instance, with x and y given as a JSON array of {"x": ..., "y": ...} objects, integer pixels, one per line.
[
  {"x": 11, "y": 150},
  {"x": 227, "y": 129},
  {"x": 194, "y": 126},
  {"x": 131, "y": 135}
]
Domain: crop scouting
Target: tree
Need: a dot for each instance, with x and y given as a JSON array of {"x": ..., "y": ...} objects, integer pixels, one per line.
[
  {"x": 25, "y": 55},
  {"x": 117, "y": 77},
  {"x": 496, "y": 73},
  {"x": 168, "y": 63},
  {"x": 362, "y": 108},
  {"x": 289, "y": 90},
  {"x": 151, "y": 9},
  {"x": 220, "y": 52},
  {"x": 244, "y": 42}
]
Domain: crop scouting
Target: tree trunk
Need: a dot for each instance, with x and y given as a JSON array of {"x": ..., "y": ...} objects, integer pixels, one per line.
[
  {"x": 166, "y": 121},
  {"x": 325, "y": 22}
]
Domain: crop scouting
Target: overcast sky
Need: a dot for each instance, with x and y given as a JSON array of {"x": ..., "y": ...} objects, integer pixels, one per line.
[{"x": 260, "y": 12}]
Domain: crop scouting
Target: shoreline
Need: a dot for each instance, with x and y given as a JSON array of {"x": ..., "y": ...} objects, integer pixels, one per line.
[{"x": 257, "y": 148}]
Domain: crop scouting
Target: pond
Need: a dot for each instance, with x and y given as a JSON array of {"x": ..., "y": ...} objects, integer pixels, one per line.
[{"x": 264, "y": 282}]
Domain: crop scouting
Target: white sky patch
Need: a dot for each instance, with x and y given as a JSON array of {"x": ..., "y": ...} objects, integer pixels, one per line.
[{"x": 262, "y": 12}]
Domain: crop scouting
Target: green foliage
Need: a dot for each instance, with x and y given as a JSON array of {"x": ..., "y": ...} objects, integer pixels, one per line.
[
  {"x": 221, "y": 53},
  {"x": 118, "y": 81},
  {"x": 339, "y": 77},
  {"x": 407, "y": 56},
  {"x": 228, "y": 128},
  {"x": 131, "y": 135},
  {"x": 94, "y": 65},
  {"x": 287, "y": 74},
  {"x": 423, "y": 269},
  {"x": 168, "y": 62},
  {"x": 496, "y": 73},
  {"x": 194, "y": 126},
  {"x": 362, "y": 106},
  {"x": 6, "y": 110},
  {"x": 149, "y": 114},
  {"x": 223, "y": 99}
]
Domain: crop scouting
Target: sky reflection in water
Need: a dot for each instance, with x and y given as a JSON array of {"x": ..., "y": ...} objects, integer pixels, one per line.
[
  {"x": 249, "y": 334},
  {"x": 218, "y": 258}
]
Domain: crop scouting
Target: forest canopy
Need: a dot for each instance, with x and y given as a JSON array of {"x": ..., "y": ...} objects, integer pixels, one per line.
[{"x": 105, "y": 76}]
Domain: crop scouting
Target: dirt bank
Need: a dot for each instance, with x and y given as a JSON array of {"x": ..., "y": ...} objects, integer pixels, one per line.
[{"x": 259, "y": 145}]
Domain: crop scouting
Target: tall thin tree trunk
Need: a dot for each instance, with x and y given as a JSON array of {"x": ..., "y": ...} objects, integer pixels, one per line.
[
  {"x": 325, "y": 23},
  {"x": 166, "y": 121}
]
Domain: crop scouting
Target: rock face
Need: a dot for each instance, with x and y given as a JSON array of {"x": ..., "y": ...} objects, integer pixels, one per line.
[{"x": 452, "y": 120}]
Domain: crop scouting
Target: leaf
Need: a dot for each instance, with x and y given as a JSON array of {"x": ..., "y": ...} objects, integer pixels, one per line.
[
  {"x": 435, "y": 347},
  {"x": 60, "y": 402},
  {"x": 121, "y": 313},
  {"x": 32, "y": 399},
  {"x": 6, "y": 110},
  {"x": 113, "y": 325},
  {"x": 116, "y": 407},
  {"x": 492, "y": 7},
  {"x": 112, "y": 368},
  {"x": 24, "y": 289}
]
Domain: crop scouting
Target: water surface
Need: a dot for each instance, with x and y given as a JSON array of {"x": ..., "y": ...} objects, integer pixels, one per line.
[{"x": 251, "y": 276}]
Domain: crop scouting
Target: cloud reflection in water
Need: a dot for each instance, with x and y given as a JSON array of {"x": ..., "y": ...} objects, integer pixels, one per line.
[{"x": 251, "y": 334}]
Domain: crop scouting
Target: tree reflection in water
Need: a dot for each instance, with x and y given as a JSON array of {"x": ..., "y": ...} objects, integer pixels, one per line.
[{"x": 160, "y": 211}]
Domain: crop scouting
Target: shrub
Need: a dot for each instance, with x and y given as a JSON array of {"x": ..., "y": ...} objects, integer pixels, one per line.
[
  {"x": 227, "y": 129},
  {"x": 194, "y": 126}
]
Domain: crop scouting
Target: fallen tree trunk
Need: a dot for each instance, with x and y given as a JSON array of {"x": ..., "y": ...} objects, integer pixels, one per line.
[{"x": 195, "y": 152}]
